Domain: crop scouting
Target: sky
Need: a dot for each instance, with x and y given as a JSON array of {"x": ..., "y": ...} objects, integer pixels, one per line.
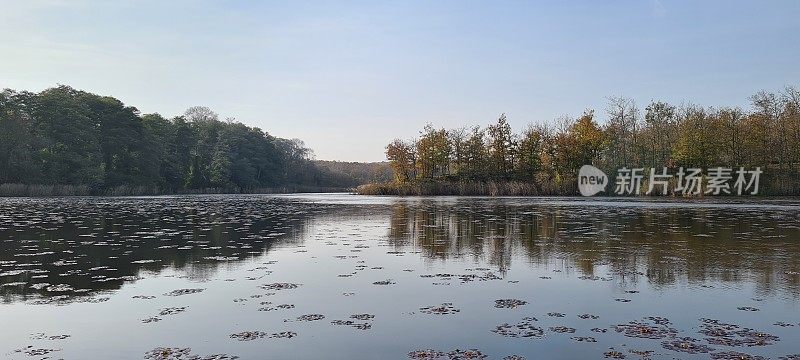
[{"x": 347, "y": 77}]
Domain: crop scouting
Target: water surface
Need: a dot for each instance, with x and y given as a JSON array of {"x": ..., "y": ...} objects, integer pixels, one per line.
[{"x": 356, "y": 277}]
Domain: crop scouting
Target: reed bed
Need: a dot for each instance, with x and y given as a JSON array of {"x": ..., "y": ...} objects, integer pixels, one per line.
[
  {"x": 465, "y": 188},
  {"x": 23, "y": 190},
  {"x": 769, "y": 186}
]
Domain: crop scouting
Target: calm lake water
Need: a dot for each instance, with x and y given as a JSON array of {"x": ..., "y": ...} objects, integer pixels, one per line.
[{"x": 354, "y": 277}]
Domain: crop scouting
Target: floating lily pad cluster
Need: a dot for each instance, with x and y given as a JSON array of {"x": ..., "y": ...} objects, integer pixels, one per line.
[
  {"x": 444, "y": 309},
  {"x": 649, "y": 328},
  {"x": 60, "y": 300},
  {"x": 172, "y": 310},
  {"x": 310, "y": 317},
  {"x": 357, "y": 325},
  {"x": 175, "y": 353},
  {"x": 43, "y": 336},
  {"x": 364, "y": 323},
  {"x": 687, "y": 345},
  {"x": 180, "y": 292},
  {"x": 562, "y": 329},
  {"x": 613, "y": 354},
  {"x": 279, "y": 286},
  {"x": 584, "y": 339},
  {"x": 747, "y": 308},
  {"x": 255, "y": 335},
  {"x": 594, "y": 278},
  {"x": 735, "y": 355},
  {"x": 509, "y": 303},
  {"x": 276, "y": 307},
  {"x": 362, "y": 317},
  {"x": 644, "y": 354},
  {"x": 164, "y": 312},
  {"x": 522, "y": 329},
  {"x": 465, "y": 278},
  {"x": 457, "y": 354},
  {"x": 34, "y": 351},
  {"x": 719, "y": 333},
  {"x": 384, "y": 282}
]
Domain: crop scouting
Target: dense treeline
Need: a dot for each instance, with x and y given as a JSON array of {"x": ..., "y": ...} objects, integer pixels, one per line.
[
  {"x": 544, "y": 158},
  {"x": 352, "y": 174},
  {"x": 69, "y": 141}
]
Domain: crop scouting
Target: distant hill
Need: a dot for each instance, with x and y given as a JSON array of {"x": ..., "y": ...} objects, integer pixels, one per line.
[{"x": 357, "y": 173}]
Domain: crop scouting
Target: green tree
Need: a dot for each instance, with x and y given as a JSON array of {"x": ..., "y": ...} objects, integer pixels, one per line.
[
  {"x": 476, "y": 155},
  {"x": 70, "y": 151},
  {"x": 530, "y": 153},
  {"x": 18, "y": 142}
]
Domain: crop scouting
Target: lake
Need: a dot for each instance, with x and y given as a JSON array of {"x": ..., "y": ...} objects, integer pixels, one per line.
[{"x": 356, "y": 277}]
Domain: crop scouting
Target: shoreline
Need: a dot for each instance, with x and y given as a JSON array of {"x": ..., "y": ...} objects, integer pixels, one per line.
[
  {"x": 38, "y": 190},
  {"x": 512, "y": 188}
]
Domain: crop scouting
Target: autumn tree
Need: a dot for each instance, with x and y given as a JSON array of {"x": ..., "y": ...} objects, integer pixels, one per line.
[
  {"x": 433, "y": 152},
  {"x": 729, "y": 124},
  {"x": 698, "y": 143},
  {"x": 458, "y": 148},
  {"x": 501, "y": 148},
  {"x": 401, "y": 156},
  {"x": 659, "y": 134},
  {"x": 791, "y": 116},
  {"x": 589, "y": 139},
  {"x": 622, "y": 127},
  {"x": 550, "y": 154}
]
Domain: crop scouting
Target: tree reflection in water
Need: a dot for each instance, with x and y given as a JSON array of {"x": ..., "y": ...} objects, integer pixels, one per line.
[{"x": 661, "y": 245}]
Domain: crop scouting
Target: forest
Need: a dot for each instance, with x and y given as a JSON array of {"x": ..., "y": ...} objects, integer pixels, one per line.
[
  {"x": 62, "y": 141},
  {"x": 544, "y": 158}
]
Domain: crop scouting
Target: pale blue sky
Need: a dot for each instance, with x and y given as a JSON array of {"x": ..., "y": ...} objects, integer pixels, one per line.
[{"x": 348, "y": 76}]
